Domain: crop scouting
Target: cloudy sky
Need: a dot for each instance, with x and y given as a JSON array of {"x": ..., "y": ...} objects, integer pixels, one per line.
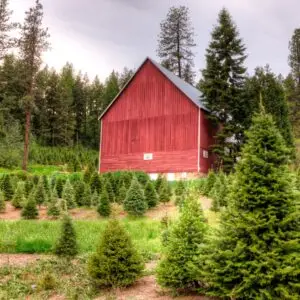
[{"x": 100, "y": 35}]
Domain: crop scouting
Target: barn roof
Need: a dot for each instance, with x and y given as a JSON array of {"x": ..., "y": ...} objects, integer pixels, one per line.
[{"x": 190, "y": 91}]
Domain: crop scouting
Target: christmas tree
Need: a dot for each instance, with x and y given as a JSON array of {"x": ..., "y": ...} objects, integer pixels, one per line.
[
  {"x": 68, "y": 195},
  {"x": 151, "y": 195},
  {"x": 104, "y": 208}
]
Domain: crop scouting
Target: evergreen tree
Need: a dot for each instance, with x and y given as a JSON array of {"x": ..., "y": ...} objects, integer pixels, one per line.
[
  {"x": 116, "y": 262},
  {"x": 111, "y": 89},
  {"x": 122, "y": 194},
  {"x": 125, "y": 76},
  {"x": 87, "y": 196},
  {"x": 7, "y": 188},
  {"x": 30, "y": 210},
  {"x": 19, "y": 197},
  {"x": 222, "y": 88},
  {"x": 158, "y": 183},
  {"x": 68, "y": 195},
  {"x": 294, "y": 57},
  {"x": 151, "y": 195},
  {"x": 95, "y": 183},
  {"x": 79, "y": 193},
  {"x": 28, "y": 186},
  {"x": 178, "y": 268},
  {"x": 104, "y": 208},
  {"x": 180, "y": 188},
  {"x": 176, "y": 41},
  {"x": 2, "y": 203},
  {"x": 255, "y": 254},
  {"x": 66, "y": 245},
  {"x": 53, "y": 209},
  {"x": 39, "y": 193},
  {"x": 135, "y": 203},
  {"x": 95, "y": 199},
  {"x": 59, "y": 186},
  {"x": 209, "y": 183},
  {"x": 110, "y": 191},
  {"x": 164, "y": 191}
]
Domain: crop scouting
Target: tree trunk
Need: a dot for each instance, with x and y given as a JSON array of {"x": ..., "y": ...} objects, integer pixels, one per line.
[{"x": 26, "y": 140}]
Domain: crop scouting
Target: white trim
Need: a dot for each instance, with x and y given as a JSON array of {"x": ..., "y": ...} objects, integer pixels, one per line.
[
  {"x": 199, "y": 138},
  {"x": 100, "y": 143}
]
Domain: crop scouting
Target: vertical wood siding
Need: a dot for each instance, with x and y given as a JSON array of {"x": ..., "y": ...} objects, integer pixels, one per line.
[{"x": 150, "y": 116}]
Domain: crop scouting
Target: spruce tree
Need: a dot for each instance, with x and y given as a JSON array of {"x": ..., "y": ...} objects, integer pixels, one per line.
[
  {"x": 255, "y": 254},
  {"x": 158, "y": 183},
  {"x": 222, "y": 86},
  {"x": 66, "y": 245},
  {"x": 209, "y": 183},
  {"x": 39, "y": 193},
  {"x": 176, "y": 41},
  {"x": 116, "y": 262},
  {"x": 151, "y": 195},
  {"x": 7, "y": 188},
  {"x": 104, "y": 208},
  {"x": 164, "y": 191},
  {"x": 53, "y": 209},
  {"x": 2, "y": 203},
  {"x": 87, "y": 196},
  {"x": 28, "y": 186},
  {"x": 178, "y": 268},
  {"x": 19, "y": 197},
  {"x": 135, "y": 203},
  {"x": 95, "y": 199},
  {"x": 30, "y": 211},
  {"x": 108, "y": 187},
  {"x": 60, "y": 182},
  {"x": 96, "y": 183},
  {"x": 122, "y": 194},
  {"x": 68, "y": 195},
  {"x": 180, "y": 188},
  {"x": 79, "y": 193}
]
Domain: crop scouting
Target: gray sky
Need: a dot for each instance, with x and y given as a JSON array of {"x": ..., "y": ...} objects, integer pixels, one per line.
[{"x": 98, "y": 36}]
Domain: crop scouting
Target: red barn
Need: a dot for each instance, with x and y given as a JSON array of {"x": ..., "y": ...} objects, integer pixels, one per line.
[{"x": 157, "y": 124}]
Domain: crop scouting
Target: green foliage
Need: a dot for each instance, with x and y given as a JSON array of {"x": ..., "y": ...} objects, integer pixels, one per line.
[
  {"x": 108, "y": 187},
  {"x": 96, "y": 183},
  {"x": 59, "y": 186},
  {"x": 2, "y": 202},
  {"x": 104, "y": 208},
  {"x": 158, "y": 183},
  {"x": 151, "y": 195},
  {"x": 68, "y": 195},
  {"x": 30, "y": 210},
  {"x": 28, "y": 186},
  {"x": 79, "y": 193},
  {"x": 19, "y": 198},
  {"x": 95, "y": 199},
  {"x": 180, "y": 188},
  {"x": 87, "y": 196},
  {"x": 47, "y": 282},
  {"x": 135, "y": 203},
  {"x": 178, "y": 268},
  {"x": 255, "y": 254},
  {"x": 210, "y": 181},
  {"x": 53, "y": 209},
  {"x": 164, "y": 191},
  {"x": 66, "y": 245},
  {"x": 39, "y": 193},
  {"x": 6, "y": 187},
  {"x": 122, "y": 194},
  {"x": 116, "y": 262}
]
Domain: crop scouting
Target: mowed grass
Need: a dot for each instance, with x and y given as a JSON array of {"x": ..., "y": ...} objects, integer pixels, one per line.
[
  {"x": 24, "y": 236},
  {"x": 35, "y": 170}
]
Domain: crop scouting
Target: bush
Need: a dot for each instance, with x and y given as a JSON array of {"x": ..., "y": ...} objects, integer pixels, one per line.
[
  {"x": 19, "y": 197},
  {"x": 68, "y": 195},
  {"x": 66, "y": 245},
  {"x": 151, "y": 195},
  {"x": 104, "y": 208},
  {"x": 39, "y": 193},
  {"x": 116, "y": 262},
  {"x": 47, "y": 282},
  {"x": 135, "y": 203},
  {"x": 30, "y": 210},
  {"x": 2, "y": 202},
  {"x": 179, "y": 268}
]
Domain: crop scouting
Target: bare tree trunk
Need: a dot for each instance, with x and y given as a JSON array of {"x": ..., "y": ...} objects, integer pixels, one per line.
[{"x": 26, "y": 140}]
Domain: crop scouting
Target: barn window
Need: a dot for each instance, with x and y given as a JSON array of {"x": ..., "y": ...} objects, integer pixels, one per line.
[
  {"x": 205, "y": 153},
  {"x": 148, "y": 156},
  {"x": 171, "y": 177},
  {"x": 153, "y": 176}
]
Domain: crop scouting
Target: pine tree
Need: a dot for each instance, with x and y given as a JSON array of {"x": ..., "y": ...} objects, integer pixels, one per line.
[
  {"x": 28, "y": 186},
  {"x": 164, "y": 192},
  {"x": 178, "y": 268},
  {"x": 66, "y": 245},
  {"x": 158, "y": 183},
  {"x": 2, "y": 203},
  {"x": 135, "y": 203},
  {"x": 222, "y": 88},
  {"x": 68, "y": 195},
  {"x": 39, "y": 193},
  {"x": 180, "y": 188},
  {"x": 53, "y": 209},
  {"x": 96, "y": 183},
  {"x": 255, "y": 254},
  {"x": 111, "y": 89},
  {"x": 30, "y": 210},
  {"x": 110, "y": 191},
  {"x": 33, "y": 42},
  {"x": 87, "y": 196},
  {"x": 209, "y": 183},
  {"x": 79, "y": 193},
  {"x": 104, "y": 208},
  {"x": 151, "y": 195},
  {"x": 59, "y": 186},
  {"x": 7, "y": 188},
  {"x": 176, "y": 41},
  {"x": 19, "y": 197},
  {"x": 95, "y": 199},
  {"x": 214, "y": 194},
  {"x": 116, "y": 262},
  {"x": 122, "y": 194}
]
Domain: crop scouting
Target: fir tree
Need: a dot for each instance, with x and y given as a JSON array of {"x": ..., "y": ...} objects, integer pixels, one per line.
[
  {"x": 176, "y": 41},
  {"x": 30, "y": 210},
  {"x": 209, "y": 183},
  {"x": 87, "y": 196},
  {"x": 39, "y": 193},
  {"x": 59, "y": 186},
  {"x": 222, "y": 88},
  {"x": 88, "y": 174},
  {"x": 104, "y": 208},
  {"x": 180, "y": 188},
  {"x": 2, "y": 203},
  {"x": 95, "y": 199},
  {"x": 122, "y": 194},
  {"x": 151, "y": 195},
  {"x": 96, "y": 183},
  {"x": 53, "y": 209},
  {"x": 7, "y": 188},
  {"x": 116, "y": 262},
  {"x": 111, "y": 88},
  {"x": 28, "y": 186},
  {"x": 68, "y": 195},
  {"x": 135, "y": 203},
  {"x": 19, "y": 197},
  {"x": 255, "y": 254},
  {"x": 178, "y": 268},
  {"x": 66, "y": 245},
  {"x": 158, "y": 183},
  {"x": 110, "y": 191},
  {"x": 79, "y": 193},
  {"x": 164, "y": 191}
]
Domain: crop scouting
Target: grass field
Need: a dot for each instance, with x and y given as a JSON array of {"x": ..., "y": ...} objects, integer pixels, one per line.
[
  {"x": 40, "y": 236},
  {"x": 35, "y": 170}
]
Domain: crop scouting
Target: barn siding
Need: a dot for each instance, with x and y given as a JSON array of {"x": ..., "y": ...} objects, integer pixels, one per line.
[{"x": 150, "y": 116}]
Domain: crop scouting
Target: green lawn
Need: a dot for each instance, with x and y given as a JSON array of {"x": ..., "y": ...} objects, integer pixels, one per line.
[
  {"x": 35, "y": 170},
  {"x": 40, "y": 236}
]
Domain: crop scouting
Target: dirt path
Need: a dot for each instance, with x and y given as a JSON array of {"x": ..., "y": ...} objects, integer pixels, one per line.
[{"x": 20, "y": 260}]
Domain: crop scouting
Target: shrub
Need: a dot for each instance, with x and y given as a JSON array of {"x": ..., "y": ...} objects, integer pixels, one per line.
[
  {"x": 108, "y": 187},
  {"x": 79, "y": 193},
  {"x": 135, "y": 203},
  {"x": 28, "y": 186},
  {"x": 104, "y": 208},
  {"x": 210, "y": 181},
  {"x": 59, "y": 185},
  {"x": 116, "y": 262},
  {"x": 53, "y": 207},
  {"x": 179, "y": 268},
  {"x": 95, "y": 199},
  {"x": 47, "y": 282},
  {"x": 122, "y": 194},
  {"x": 96, "y": 183},
  {"x": 180, "y": 188},
  {"x": 68, "y": 195},
  {"x": 66, "y": 245},
  {"x": 164, "y": 191},
  {"x": 151, "y": 195},
  {"x": 158, "y": 183},
  {"x": 2, "y": 202},
  {"x": 6, "y": 187},
  {"x": 39, "y": 193},
  {"x": 19, "y": 197},
  {"x": 30, "y": 210},
  {"x": 87, "y": 196}
]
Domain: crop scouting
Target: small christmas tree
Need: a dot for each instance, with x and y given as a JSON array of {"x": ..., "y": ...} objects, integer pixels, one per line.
[
  {"x": 96, "y": 183},
  {"x": 59, "y": 185},
  {"x": 63, "y": 206},
  {"x": 28, "y": 186},
  {"x": 122, "y": 194},
  {"x": 39, "y": 193},
  {"x": 46, "y": 184},
  {"x": 180, "y": 188},
  {"x": 88, "y": 174},
  {"x": 215, "y": 194},
  {"x": 79, "y": 193},
  {"x": 116, "y": 262},
  {"x": 151, "y": 195},
  {"x": 66, "y": 245},
  {"x": 179, "y": 268},
  {"x": 7, "y": 188},
  {"x": 87, "y": 196},
  {"x": 68, "y": 195},
  {"x": 210, "y": 181},
  {"x": 104, "y": 208},
  {"x": 19, "y": 197},
  {"x": 53, "y": 206},
  {"x": 110, "y": 191},
  {"x": 158, "y": 183},
  {"x": 135, "y": 203},
  {"x": 95, "y": 199},
  {"x": 2, "y": 202},
  {"x": 164, "y": 191},
  {"x": 30, "y": 210}
]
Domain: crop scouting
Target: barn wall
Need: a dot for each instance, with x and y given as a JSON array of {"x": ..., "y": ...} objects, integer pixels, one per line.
[{"x": 150, "y": 116}]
